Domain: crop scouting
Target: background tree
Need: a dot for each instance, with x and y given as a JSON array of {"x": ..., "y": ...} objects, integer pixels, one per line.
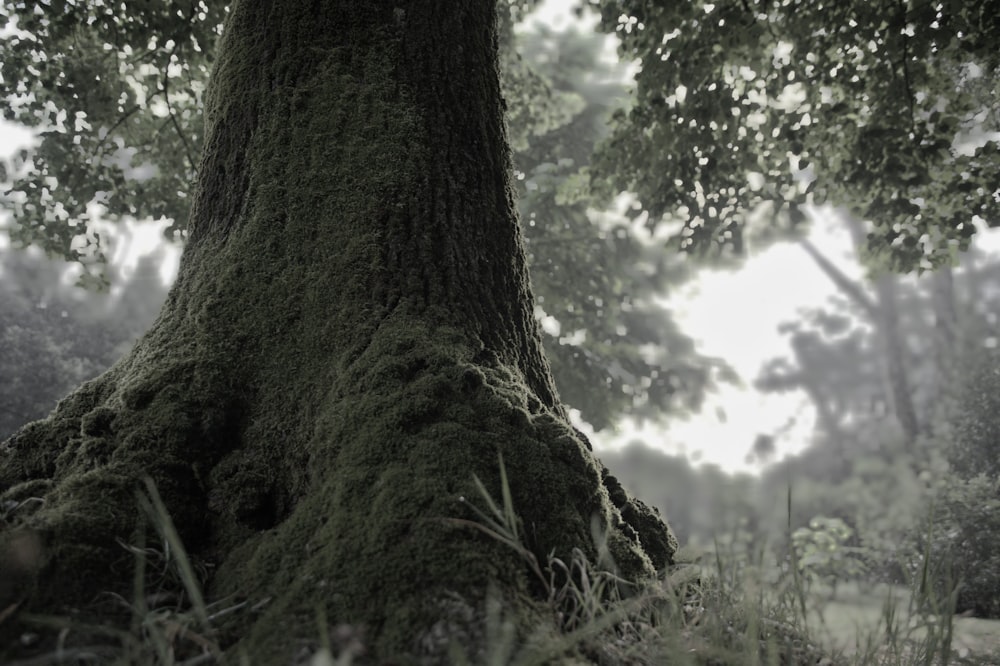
[
  {"x": 860, "y": 467},
  {"x": 47, "y": 344},
  {"x": 704, "y": 503},
  {"x": 57, "y": 335}
]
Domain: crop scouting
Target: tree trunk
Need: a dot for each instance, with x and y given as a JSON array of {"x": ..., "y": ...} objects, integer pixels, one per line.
[
  {"x": 349, "y": 340},
  {"x": 896, "y": 365},
  {"x": 945, "y": 327},
  {"x": 887, "y": 323}
]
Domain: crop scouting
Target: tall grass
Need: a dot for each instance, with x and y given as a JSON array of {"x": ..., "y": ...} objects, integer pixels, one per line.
[{"x": 727, "y": 607}]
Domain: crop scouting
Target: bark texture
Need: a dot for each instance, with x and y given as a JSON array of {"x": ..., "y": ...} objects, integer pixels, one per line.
[{"x": 349, "y": 340}]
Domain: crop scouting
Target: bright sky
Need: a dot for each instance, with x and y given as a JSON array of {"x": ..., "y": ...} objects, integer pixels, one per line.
[{"x": 734, "y": 315}]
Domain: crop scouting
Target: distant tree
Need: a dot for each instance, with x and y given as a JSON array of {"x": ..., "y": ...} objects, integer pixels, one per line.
[
  {"x": 56, "y": 336},
  {"x": 703, "y": 502},
  {"x": 872, "y": 305},
  {"x": 942, "y": 336},
  {"x": 882, "y": 484},
  {"x": 49, "y": 343}
]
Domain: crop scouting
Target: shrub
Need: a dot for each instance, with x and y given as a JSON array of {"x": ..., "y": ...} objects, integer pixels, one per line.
[
  {"x": 823, "y": 553},
  {"x": 961, "y": 546}
]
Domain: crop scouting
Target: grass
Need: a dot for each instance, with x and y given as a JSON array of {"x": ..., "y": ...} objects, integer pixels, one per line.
[{"x": 724, "y": 608}]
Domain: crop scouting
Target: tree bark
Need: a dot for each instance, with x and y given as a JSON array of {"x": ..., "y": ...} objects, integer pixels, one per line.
[{"x": 349, "y": 340}]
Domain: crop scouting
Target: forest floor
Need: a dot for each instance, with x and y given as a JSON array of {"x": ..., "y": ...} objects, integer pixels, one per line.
[{"x": 856, "y": 614}]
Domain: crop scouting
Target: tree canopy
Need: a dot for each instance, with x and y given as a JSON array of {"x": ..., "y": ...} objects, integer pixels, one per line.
[
  {"x": 747, "y": 108},
  {"x": 887, "y": 107}
]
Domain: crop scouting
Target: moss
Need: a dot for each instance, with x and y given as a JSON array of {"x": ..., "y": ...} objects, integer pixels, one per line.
[
  {"x": 86, "y": 461},
  {"x": 398, "y": 448}
]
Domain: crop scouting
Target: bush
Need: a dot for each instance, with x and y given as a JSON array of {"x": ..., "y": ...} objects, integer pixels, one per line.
[
  {"x": 823, "y": 554},
  {"x": 975, "y": 426},
  {"x": 962, "y": 546}
]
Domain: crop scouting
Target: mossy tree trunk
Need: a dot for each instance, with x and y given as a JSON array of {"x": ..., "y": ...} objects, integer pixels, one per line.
[{"x": 350, "y": 339}]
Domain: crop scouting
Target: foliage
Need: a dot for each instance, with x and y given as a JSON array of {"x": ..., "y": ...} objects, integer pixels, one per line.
[
  {"x": 747, "y": 108},
  {"x": 823, "y": 553},
  {"x": 47, "y": 346},
  {"x": 967, "y": 502},
  {"x": 614, "y": 348},
  {"x": 115, "y": 98},
  {"x": 975, "y": 426},
  {"x": 53, "y": 336},
  {"x": 962, "y": 548}
]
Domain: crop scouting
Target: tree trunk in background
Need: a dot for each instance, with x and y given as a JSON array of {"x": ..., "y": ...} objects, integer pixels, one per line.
[
  {"x": 945, "y": 308},
  {"x": 946, "y": 329},
  {"x": 350, "y": 338},
  {"x": 893, "y": 343},
  {"x": 896, "y": 370}
]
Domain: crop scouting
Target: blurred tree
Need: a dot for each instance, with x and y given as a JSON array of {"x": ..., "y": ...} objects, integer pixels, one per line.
[
  {"x": 49, "y": 343},
  {"x": 878, "y": 480},
  {"x": 840, "y": 350},
  {"x": 964, "y": 547},
  {"x": 703, "y": 502},
  {"x": 878, "y": 310},
  {"x": 56, "y": 336}
]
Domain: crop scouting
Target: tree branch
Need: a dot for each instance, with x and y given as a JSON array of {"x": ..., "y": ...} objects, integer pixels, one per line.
[{"x": 850, "y": 288}]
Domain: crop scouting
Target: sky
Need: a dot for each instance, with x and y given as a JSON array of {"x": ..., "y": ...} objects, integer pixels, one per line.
[{"x": 733, "y": 315}]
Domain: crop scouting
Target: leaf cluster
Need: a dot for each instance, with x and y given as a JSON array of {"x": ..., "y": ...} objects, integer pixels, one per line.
[
  {"x": 113, "y": 92},
  {"x": 746, "y": 110}
]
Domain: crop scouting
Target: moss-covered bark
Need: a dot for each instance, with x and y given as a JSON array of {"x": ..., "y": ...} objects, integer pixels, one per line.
[{"x": 349, "y": 340}]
